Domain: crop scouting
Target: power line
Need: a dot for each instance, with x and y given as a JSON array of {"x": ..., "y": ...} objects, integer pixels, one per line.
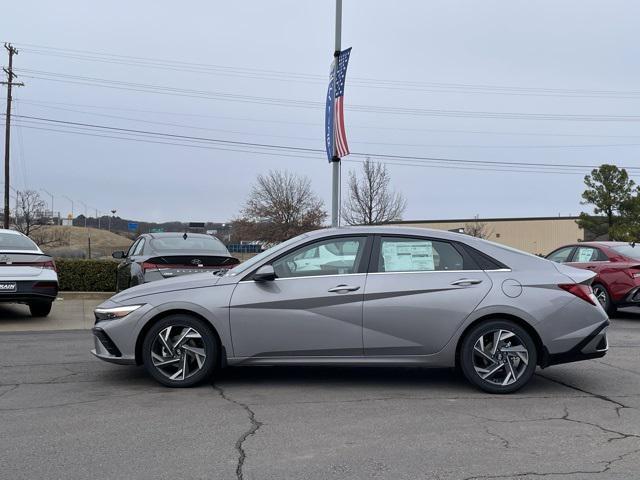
[
  {"x": 457, "y": 145},
  {"x": 262, "y": 74},
  {"x": 230, "y": 97},
  {"x": 53, "y": 105},
  {"x": 302, "y": 149}
]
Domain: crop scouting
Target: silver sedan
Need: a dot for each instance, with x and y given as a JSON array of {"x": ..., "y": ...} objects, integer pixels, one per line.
[{"x": 362, "y": 296}]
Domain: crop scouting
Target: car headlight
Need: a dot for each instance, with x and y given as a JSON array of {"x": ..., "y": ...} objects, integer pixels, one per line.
[{"x": 114, "y": 312}]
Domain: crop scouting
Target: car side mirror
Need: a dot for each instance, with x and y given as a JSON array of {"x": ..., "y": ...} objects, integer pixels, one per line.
[
  {"x": 264, "y": 274},
  {"x": 118, "y": 254}
]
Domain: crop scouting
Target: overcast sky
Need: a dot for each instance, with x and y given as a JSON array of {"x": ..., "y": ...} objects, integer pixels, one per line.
[{"x": 550, "y": 58}]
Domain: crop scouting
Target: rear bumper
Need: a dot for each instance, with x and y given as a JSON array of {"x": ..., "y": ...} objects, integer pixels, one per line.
[
  {"x": 594, "y": 345},
  {"x": 631, "y": 298},
  {"x": 31, "y": 290}
]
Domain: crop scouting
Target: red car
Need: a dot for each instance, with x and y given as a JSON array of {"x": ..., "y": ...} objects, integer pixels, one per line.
[{"x": 617, "y": 265}]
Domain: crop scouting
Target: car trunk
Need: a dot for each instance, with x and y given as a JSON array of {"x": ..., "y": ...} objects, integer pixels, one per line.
[
  {"x": 173, "y": 265},
  {"x": 14, "y": 264}
]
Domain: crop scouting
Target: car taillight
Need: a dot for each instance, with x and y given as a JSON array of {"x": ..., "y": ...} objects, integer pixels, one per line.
[
  {"x": 50, "y": 264},
  {"x": 579, "y": 290},
  {"x": 148, "y": 266}
]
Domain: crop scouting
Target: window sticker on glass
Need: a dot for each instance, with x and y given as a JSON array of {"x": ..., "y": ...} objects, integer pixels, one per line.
[
  {"x": 585, "y": 254},
  {"x": 407, "y": 256}
]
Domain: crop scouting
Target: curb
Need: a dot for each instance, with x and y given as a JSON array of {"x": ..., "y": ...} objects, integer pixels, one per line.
[{"x": 85, "y": 295}]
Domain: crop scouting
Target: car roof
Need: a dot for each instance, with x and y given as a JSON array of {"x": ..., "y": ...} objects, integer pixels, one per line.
[
  {"x": 175, "y": 234},
  {"x": 389, "y": 230}
]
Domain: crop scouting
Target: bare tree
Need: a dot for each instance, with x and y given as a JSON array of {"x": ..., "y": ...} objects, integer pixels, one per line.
[
  {"x": 281, "y": 205},
  {"x": 370, "y": 200},
  {"x": 29, "y": 211},
  {"x": 478, "y": 229}
]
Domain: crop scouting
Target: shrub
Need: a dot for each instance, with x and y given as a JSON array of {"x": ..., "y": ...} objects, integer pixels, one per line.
[{"x": 86, "y": 275}]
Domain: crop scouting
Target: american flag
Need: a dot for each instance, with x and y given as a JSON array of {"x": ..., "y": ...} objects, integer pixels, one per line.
[{"x": 336, "y": 135}]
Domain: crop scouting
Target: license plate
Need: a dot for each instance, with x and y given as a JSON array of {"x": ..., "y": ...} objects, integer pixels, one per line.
[{"x": 7, "y": 287}]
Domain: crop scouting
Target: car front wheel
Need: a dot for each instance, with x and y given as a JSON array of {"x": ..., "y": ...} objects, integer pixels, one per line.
[
  {"x": 180, "y": 351},
  {"x": 498, "y": 356}
]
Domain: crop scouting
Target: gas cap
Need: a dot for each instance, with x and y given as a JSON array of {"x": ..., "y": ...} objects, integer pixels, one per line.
[{"x": 512, "y": 288}]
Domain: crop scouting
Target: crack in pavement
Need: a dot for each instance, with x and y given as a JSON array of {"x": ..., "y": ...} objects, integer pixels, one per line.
[
  {"x": 255, "y": 426},
  {"x": 14, "y": 386},
  {"x": 505, "y": 442},
  {"x": 618, "y": 435},
  {"x": 608, "y": 464},
  {"x": 619, "y": 406},
  {"x": 617, "y": 367}
]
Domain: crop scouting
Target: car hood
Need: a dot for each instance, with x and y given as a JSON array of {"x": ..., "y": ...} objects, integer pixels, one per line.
[{"x": 196, "y": 280}]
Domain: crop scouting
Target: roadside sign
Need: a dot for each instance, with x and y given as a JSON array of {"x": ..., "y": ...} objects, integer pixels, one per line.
[
  {"x": 157, "y": 230},
  {"x": 133, "y": 226}
]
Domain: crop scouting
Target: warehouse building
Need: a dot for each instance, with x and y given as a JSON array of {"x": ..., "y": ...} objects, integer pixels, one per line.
[{"x": 537, "y": 235}]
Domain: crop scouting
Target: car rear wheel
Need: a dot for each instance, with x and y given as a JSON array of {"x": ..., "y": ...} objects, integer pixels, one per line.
[
  {"x": 40, "y": 309},
  {"x": 602, "y": 294},
  {"x": 498, "y": 356},
  {"x": 180, "y": 351}
]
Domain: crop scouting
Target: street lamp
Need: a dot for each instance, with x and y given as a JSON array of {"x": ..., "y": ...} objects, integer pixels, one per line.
[
  {"x": 113, "y": 212},
  {"x": 85, "y": 213},
  {"x": 72, "y": 215},
  {"x": 51, "y": 195}
]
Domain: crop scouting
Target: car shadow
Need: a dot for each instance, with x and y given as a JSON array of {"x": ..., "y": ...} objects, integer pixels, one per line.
[{"x": 631, "y": 313}]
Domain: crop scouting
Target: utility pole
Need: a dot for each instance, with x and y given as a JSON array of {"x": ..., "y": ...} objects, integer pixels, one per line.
[
  {"x": 335, "y": 161},
  {"x": 7, "y": 136},
  {"x": 113, "y": 212}
]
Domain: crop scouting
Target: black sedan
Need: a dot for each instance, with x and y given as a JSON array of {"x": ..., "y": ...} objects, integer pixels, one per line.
[{"x": 154, "y": 256}]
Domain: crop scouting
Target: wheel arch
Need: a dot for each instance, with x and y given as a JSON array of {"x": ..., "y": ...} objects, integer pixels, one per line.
[
  {"x": 222, "y": 356},
  {"x": 540, "y": 350}
]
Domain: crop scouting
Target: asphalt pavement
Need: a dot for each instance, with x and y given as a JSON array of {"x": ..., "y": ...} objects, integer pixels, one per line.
[{"x": 66, "y": 415}]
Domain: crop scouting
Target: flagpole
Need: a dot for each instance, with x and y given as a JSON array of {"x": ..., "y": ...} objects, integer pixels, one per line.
[{"x": 335, "y": 194}]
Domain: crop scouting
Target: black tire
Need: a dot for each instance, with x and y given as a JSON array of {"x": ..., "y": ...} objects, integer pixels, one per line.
[
  {"x": 467, "y": 355},
  {"x": 40, "y": 308},
  {"x": 603, "y": 296},
  {"x": 208, "y": 343}
]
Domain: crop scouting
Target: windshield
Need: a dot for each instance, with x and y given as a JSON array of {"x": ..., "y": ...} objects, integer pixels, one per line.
[
  {"x": 244, "y": 266},
  {"x": 200, "y": 243},
  {"x": 14, "y": 241},
  {"x": 631, "y": 251}
]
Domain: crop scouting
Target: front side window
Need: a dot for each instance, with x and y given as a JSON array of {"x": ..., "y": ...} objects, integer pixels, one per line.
[
  {"x": 561, "y": 255},
  {"x": 417, "y": 255},
  {"x": 139, "y": 247},
  {"x": 337, "y": 256},
  {"x": 133, "y": 247}
]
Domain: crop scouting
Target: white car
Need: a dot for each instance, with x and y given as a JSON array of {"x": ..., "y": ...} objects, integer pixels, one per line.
[{"x": 26, "y": 274}]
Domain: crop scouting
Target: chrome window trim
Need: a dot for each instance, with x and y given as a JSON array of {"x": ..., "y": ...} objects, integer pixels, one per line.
[
  {"x": 441, "y": 271},
  {"x": 310, "y": 276}
]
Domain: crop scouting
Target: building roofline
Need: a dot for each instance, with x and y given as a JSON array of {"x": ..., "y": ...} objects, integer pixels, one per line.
[{"x": 469, "y": 220}]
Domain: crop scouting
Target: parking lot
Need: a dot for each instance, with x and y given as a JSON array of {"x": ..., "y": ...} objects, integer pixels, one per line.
[{"x": 66, "y": 415}]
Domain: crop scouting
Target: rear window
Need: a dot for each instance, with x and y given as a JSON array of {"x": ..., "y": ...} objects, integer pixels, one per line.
[
  {"x": 13, "y": 241},
  {"x": 172, "y": 244},
  {"x": 631, "y": 251}
]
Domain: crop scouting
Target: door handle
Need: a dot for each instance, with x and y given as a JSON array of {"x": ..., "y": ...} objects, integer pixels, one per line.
[
  {"x": 466, "y": 281},
  {"x": 344, "y": 288}
]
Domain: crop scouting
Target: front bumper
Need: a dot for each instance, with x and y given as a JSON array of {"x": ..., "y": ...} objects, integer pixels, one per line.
[
  {"x": 594, "y": 345},
  {"x": 106, "y": 350}
]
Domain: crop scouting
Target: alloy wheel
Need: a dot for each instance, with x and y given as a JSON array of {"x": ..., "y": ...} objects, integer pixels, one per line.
[
  {"x": 500, "y": 357},
  {"x": 601, "y": 295},
  {"x": 178, "y": 352}
]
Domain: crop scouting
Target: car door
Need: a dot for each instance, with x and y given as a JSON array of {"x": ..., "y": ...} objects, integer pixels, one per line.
[
  {"x": 304, "y": 311},
  {"x": 419, "y": 291},
  {"x": 588, "y": 257},
  {"x": 126, "y": 269}
]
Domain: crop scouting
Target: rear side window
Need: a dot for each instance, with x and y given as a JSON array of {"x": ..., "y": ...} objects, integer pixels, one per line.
[
  {"x": 14, "y": 241},
  {"x": 561, "y": 255},
  {"x": 399, "y": 254},
  {"x": 588, "y": 254}
]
